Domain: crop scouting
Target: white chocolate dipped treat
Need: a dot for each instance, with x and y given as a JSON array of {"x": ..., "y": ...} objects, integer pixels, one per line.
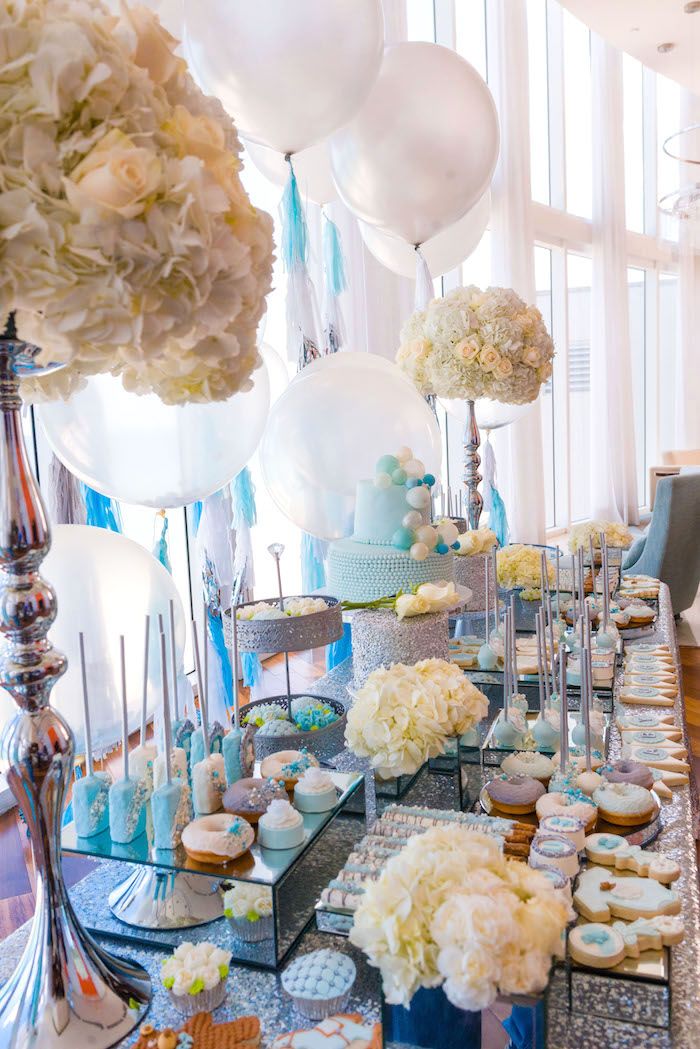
[
  {"x": 178, "y": 765},
  {"x": 528, "y": 763},
  {"x": 208, "y": 784}
]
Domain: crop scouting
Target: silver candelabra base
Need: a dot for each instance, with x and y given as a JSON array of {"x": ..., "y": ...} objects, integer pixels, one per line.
[{"x": 472, "y": 462}]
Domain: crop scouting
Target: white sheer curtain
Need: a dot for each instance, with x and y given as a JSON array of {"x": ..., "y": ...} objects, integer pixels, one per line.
[
  {"x": 613, "y": 484},
  {"x": 519, "y": 446},
  {"x": 687, "y": 371}
]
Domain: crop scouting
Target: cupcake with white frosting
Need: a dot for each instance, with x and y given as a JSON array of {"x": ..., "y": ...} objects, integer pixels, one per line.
[{"x": 315, "y": 791}]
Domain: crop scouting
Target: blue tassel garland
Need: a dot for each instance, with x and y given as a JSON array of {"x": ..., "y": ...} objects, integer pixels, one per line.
[
  {"x": 100, "y": 510},
  {"x": 313, "y": 569}
]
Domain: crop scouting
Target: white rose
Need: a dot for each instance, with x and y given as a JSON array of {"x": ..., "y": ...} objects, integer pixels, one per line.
[
  {"x": 411, "y": 605},
  {"x": 503, "y": 368},
  {"x": 532, "y": 357},
  {"x": 115, "y": 175},
  {"x": 489, "y": 358},
  {"x": 197, "y": 136},
  {"x": 154, "y": 44},
  {"x": 467, "y": 349}
]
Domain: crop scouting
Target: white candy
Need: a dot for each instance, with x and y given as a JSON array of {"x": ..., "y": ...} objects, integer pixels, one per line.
[
  {"x": 178, "y": 765},
  {"x": 383, "y": 481},
  {"x": 418, "y": 498},
  {"x": 412, "y": 519},
  {"x": 414, "y": 468},
  {"x": 404, "y": 454},
  {"x": 427, "y": 534},
  {"x": 449, "y": 532},
  {"x": 419, "y": 551},
  {"x": 208, "y": 784}
]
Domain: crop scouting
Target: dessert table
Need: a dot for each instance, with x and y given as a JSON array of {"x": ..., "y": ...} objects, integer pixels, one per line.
[{"x": 619, "y": 1013}]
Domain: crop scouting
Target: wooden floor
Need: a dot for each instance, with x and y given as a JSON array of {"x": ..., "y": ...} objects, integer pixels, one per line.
[
  {"x": 16, "y": 872},
  {"x": 17, "y": 869}
]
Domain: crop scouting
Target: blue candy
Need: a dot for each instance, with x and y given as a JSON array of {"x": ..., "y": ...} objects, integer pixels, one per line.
[
  {"x": 455, "y": 546},
  {"x": 403, "y": 538},
  {"x": 429, "y": 479},
  {"x": 442, "y": 548},
  {"x": 387, "y": 464},
  {"x": 414, "y": 482},
  {"x": 399, "y": 476}
]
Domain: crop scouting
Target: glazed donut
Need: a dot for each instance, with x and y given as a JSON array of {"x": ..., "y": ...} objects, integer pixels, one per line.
[
  {"x": 624, "y": 804},
  {"x": 288, "y": 765},
  {"x": 250, "y": 798},
  {"x": 217, "y": 838},
  {"x": 528, "y": 763},
  {"x": 514, "y": 794},
  {"x": 625, "y": 771},
  {"x": 568, "y": 803}
]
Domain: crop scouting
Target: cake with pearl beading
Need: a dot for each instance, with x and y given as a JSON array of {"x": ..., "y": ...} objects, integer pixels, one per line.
[{"x": 394, "y": 547}]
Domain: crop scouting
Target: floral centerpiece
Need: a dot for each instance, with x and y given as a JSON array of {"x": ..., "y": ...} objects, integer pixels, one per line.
[
  {"x": 476, "y": 541},
  {"x": 195, "y": 975},
  {"x": 616, "y": 534},
  {"x": 451, "y": 911},
  {"x": 472, "y": 343},
  {"x": 421, "y": 600},
  {"x": 403, "y": 716},
  {"x": 127, "y": 242},
  {"x": 293, "y": 606},
  {"x": 520, "y": 568},
  {"x": 248, "y": 908}
]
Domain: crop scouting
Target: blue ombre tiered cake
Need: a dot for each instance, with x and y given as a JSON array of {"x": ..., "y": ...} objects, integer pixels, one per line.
[{"x": 393, "y": 547}]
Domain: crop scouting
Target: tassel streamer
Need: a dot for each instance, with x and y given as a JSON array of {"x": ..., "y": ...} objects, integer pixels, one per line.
[
  {"x": 335, "y": 284},
  {"x": 303, "y": 324},
  {"x": 493, "y": 503},
  {"x": 338, "y": 651},
  {"x": 196, "y": 515},
  {"x": 424, "y": 282},
  {"x": 67, "y": 506},
  {"x": 313, "y": 568},
  {"x": 215, "y": 630},
  {"x": 243, "y": 496},
  {"x": 101, "y": 511},
  {"x": 488, "y": 471},
  {"x": 252, "y": 669},
  {"x": 160, "y": 548}
]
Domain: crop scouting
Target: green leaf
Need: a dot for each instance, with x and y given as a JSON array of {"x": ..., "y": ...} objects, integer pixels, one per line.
[
  {"x": 223, "y": 971},
  {"x": 197, "y": 987},
  {"x": 168, "y": 982},
  {"x": 253, "y": 916}
]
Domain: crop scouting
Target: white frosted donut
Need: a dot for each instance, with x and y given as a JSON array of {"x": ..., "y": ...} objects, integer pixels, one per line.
[
  {"x": 626, "y": 804},
  {"x": 289, "y": 765},
  {"x": 217, "y": 838},
  {"x": 528, "y": 763},
  {"x": 567, "y": 804}
]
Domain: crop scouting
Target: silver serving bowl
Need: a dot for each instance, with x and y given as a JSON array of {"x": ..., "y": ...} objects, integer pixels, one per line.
[{"x": 292, "y": 634}]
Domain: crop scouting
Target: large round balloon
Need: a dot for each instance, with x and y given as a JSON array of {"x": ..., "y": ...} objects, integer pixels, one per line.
[
  {"x": 288, "y": 73},
  {"x": 422, "y": 149},
  {"x": 353, "y": 359},
  {"x": 105, "y": 586},
  {"x": 490, "y": 414},
  {"x": 327, "y": 431},
  {"x": 139, "y": 450},
  {"x": 312, "y": 168},
  {"x": 277, "y": 371},
  {"x": 442, "y": 252}
]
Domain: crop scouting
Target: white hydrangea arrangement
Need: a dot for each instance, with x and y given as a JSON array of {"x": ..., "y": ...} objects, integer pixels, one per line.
[
  {"x": 476, "y": 541},
  {"x": 403, "y": 716},
  {"x": 451, "y": 911},
  {"x": 195, "y": 968},
  {"x": 616, "y": 534},
  {"x": 520, "y": 567},
  {"x": 293, "y": 606},
  {"x": 127, "y": 242},
  {"x": 472, "y": 343}
]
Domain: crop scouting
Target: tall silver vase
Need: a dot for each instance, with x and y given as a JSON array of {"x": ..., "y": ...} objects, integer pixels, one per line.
[
  {"x": 66, "y": 991},
  {"x": 472, "y": 462}
]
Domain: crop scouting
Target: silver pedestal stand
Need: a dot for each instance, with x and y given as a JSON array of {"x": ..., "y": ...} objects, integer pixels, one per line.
[
  {"x": 156, "y": 898},
  {"x": 66, "y": 991},
  {"x": 472, "y": 462}
]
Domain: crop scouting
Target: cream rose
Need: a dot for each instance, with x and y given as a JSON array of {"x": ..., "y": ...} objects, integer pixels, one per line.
[
  {"x": 115, "y": 175},
  {"x": 411, "y": 605},
  {"x": 197, "y": 136},
  {"x": 468, "y": 349},
  {"x": 532, "y": 357},
  {"x": 503, "y": 368},
  {"x": 489, "y": 358},
  {"x": 154, "y": 44}
]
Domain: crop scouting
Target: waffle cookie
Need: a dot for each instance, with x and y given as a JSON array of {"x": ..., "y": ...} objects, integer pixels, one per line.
[{"x": 241, "y": 1033}]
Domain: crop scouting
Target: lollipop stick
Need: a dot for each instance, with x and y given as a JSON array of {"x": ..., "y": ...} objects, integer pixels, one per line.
[
  {"x": 564, "y": 713},
  {"x": 125, "y": 716},
  {"x": 167, "y": 728},
  {"x": 496, "y": 602},
  {"x": 557, "y": 584},
  {"x": 540, "y": 668},
  {"x": 204, "y": 703},
  {"x": 173, "y": 659},
  {"x": 86, "y": 708},
  {"x": 234, "y": 665},
  {"x": 144, "y": 697},
  {"x": 585, "y": 704},
  {"x": 486, "y": 592},
  {"x": 197, "y": 662},
  {"x": 514, "y": 659},
  {"x": 204, "y": 696},
  {"x": 506, "y": 662}
]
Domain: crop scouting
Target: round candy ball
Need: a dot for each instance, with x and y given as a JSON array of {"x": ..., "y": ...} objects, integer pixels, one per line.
[
  {"x": 387, "y": 464},
  {"x": 418, "y": 498},
  {"x": 404, "y": 454},
  {"x": 448, "y": 531},
  {"x": 429, "y": 479},
  {"x": 427, "y": 534},
  {"x": 442, "y": 548},
  {"x": 413, "y": 482},
  {"x": 414, "y": 468},
  {"x": 412, "y": 519},
  {"x": 403, "y": 538},
  {"x": 419, "y": 551},
  {"x": 382, "y": 481},
  {"x": 455, "y": 546},
  {"x": 398, "y": 476}
]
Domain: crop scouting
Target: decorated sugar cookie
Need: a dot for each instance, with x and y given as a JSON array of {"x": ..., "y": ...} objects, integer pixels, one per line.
[
  {"x": 646, "y": 696},
  {"x": 658, "y": 757},
  {"x": 600, "y": 896},
  {"x": 335, "y": 1032},
  {"x": 613, "y": 850},
  {"x": 671, "y": 779},
  {"x": 651, "y": 737},
  {"x": 604, "y": 946}
]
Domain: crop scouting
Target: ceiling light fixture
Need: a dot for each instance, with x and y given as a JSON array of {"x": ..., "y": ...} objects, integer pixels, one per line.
[{"x": 664, "y": 49}]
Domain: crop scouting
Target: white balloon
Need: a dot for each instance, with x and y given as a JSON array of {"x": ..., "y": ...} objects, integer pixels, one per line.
[
  {"x": 277, "y": 371},
  {"x": 352, "y": 359},
  {"x": 105, "y": 585},
  {"x": 312, "y": 168},
  {"x": 421, "y": 151},
  {"x": 490, "y": 414},
  {"x": 443, "y": 252},
  {"x": 328, "y": 430},
  {"x": 288, "y": 73},
  {"x": 139, "y": 450}
]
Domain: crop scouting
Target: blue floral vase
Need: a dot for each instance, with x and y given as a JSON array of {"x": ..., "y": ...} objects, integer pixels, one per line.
[{"x": 430, "y": 1022}]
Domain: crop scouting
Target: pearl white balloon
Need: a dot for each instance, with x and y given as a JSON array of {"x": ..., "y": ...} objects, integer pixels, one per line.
[
  {"x": 139, "y": 450},
  {"x": 288, "y": 73},
  {"x": 418, "y": 498},
  {"x": 327, "y": 431},
  {"x": 277, "y": 371},
  {"x": 419, "y": 551},
  {"x": 105, "y": 585},
  {"x": 353, "y": 359},
  {"x": 490, "y": 414},
  {"x": 443, "y": 252},
  {"x": 422, "y": 149},
  {"x": 312, "y": 168}
]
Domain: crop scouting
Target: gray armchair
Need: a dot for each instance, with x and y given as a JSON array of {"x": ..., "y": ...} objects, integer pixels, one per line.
[{"x": 670, "y": 550}]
